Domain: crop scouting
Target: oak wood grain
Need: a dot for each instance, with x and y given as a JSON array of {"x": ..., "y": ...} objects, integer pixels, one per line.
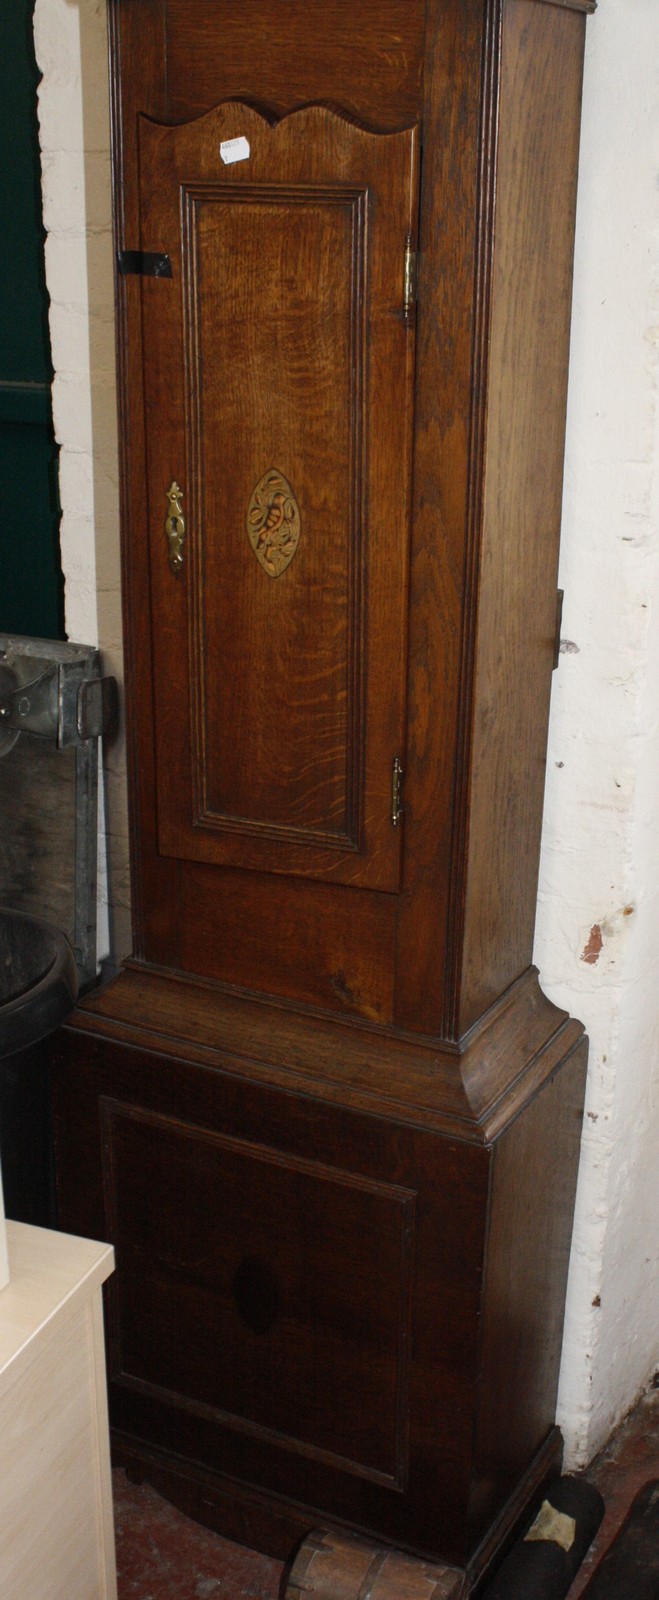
[
  {"x": 446, "y": 392},
  {"x": 534, "y": 1184},
  {"x": 470, "y": 1093},
  {"x": 462, "y": 931},
  {"x": 524, "y": 442},
  {"x": 317, "y": 944},
  {"x": 280, "y": 342},
  {"x": 366, "y": 59}
]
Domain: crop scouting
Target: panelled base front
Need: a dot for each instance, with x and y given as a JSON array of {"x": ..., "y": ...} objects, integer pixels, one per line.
[{"x": 319, "y": 1313}]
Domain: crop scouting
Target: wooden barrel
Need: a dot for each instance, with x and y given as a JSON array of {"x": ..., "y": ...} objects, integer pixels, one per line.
[{"x": 331, "y": 1565}]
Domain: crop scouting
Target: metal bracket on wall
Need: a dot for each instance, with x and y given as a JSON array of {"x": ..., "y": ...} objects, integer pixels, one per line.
[
  {"x": 54, "y": 706},
  {"x": 57, "y": 702}
]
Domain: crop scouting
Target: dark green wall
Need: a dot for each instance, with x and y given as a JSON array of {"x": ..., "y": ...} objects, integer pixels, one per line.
[{"x": 30, "y": 577}]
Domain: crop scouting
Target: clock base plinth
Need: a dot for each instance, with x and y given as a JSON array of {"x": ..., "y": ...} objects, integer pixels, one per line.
[
  {"x": 341, "y": 1258},
  {"x": 280, "y": 1528}
]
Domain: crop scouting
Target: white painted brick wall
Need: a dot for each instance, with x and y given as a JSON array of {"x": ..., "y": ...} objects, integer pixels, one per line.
[
  {"x": 600, "y": 864},
  {"x": 71, "y": 48}
]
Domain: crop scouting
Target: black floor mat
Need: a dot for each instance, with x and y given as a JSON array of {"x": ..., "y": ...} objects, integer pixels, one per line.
[{"x": 542, "y": 1564}]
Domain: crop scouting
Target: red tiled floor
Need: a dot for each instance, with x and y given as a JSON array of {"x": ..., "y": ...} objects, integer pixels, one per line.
[{"x": 163, "y": 1555}]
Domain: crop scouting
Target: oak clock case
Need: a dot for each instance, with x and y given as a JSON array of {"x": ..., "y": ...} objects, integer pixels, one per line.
[{"x": 325, "y": 1113}]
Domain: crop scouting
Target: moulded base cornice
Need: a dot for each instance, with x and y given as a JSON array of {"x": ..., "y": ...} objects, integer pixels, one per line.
[{"x": 470, "y": 1090}]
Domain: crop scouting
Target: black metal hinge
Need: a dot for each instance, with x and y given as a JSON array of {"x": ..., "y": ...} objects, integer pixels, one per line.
[{"x": 147, "y": 263}]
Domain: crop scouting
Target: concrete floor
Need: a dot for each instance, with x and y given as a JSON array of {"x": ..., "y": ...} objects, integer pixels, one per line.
[{"x": 162, "y": 1555}]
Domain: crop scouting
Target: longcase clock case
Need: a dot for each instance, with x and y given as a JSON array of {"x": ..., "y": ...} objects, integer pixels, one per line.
[{"x": 325, "y": 1112}]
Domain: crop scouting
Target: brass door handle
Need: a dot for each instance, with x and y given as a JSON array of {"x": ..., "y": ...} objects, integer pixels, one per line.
[{"x": 175, "y": 526}]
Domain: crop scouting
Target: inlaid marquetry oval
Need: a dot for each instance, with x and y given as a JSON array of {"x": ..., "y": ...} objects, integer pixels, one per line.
[{"x": 273, "y": 523}]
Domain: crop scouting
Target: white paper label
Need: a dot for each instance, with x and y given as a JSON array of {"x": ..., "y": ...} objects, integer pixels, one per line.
[
  {"x": 553, "y": 1525},
  {"x": 234, "y": 150}
]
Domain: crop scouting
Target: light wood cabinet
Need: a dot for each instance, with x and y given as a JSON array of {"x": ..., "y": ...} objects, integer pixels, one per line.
[{"x": 56, "y": 1527}]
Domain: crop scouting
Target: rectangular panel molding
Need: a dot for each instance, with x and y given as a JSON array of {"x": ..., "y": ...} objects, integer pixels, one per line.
[
  {"x": 247, "y": 1246},
  {"x": 262, "y": 658}
]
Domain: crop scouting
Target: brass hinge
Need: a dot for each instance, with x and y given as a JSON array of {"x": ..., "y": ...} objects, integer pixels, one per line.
[
  {"x": 397, "y": 776},
  {"x": 409, "y": 290}
]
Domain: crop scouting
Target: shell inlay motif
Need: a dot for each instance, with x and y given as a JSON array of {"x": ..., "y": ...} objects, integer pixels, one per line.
[{"x": 273, "y": 523}]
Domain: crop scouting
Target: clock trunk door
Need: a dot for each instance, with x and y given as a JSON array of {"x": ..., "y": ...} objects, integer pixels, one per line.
[{"x": 279, "y": 363}]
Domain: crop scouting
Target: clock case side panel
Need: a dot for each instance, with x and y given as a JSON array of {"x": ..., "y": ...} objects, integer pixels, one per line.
[
  {"x": 514, "y": 605},
  {"x": 154, "y": 880},
  {"x": 535, "y": 1164},
  {"x": 461, "y": 71}
]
